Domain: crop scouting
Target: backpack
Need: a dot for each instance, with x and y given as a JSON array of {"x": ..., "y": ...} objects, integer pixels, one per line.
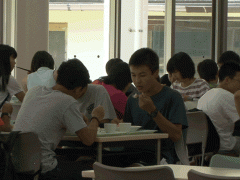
[{"x": 7, "y": 170}]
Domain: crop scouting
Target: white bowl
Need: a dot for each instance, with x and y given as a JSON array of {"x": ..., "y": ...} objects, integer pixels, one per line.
[{"x": 135, "y": 128}]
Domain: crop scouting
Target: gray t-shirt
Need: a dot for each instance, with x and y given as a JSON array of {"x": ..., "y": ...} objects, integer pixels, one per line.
[
  {"x": 49, "y": 113},
  {"x": 96, "y": 95}
]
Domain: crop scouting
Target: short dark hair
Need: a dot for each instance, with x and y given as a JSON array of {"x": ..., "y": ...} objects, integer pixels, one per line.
[
  {"x": 228, "y": 69},
  {"x": 229, "y": 56},
  {"x": 207, "y": 70},
  {"x": 111, "y": 63},
  {"x": 42, "y": 59},
  {"x": 72, "y": 74},
  {"x": 119, "y": 75},
  {"x": 6, "y": 52},
  {"x": 183, "y": 63},
  {"x": 145, "y": 56},
  {"x": 165, "y": 80}
]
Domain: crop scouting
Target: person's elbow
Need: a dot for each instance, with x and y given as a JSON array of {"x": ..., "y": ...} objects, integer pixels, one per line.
[
  {"x": 86, "y": 137},
  {"x": 176, "y": 136}
]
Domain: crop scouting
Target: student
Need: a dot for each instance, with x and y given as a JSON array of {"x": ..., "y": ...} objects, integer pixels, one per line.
[
  {"x": 228, "y": 56},
  {"x": 208, "y": 70},
  {"x": 9, "y": 85},
  {"x": 167, "y": 79},
  {"x": 182, "y": 68},
  {"x": 111, "y": 64},
  {"x": 49, "y": 112},
  {"x": 157, "y": 107},
  {"x": 221, "y": 104},
  {"x": 117, "y": 83},
  {"x": 5, "y": 118},
  {"x": 42, "y": 71}
]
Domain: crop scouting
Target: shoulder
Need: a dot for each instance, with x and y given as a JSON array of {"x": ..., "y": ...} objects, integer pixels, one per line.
[
  {"x": 96, "y": 88},
  {"x": 201, "y": 82},
  {"x": 171, "y": 92}
]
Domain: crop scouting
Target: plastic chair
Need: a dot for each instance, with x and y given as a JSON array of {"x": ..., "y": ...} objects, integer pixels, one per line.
[
  {"x": 26, "y": 153},
  {"x": 197, "y": 131},
  {"x": 195, "y": 175},
  {"x": 104, "y": 172},
  {"x": 222, "y": 161}
]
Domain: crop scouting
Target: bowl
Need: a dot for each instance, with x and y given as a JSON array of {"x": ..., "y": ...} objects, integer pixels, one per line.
[{"x": 134, "y": 128}]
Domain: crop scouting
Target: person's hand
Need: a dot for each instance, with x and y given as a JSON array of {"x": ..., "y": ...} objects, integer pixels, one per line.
[
  {"x": 146, "y": 103},
  {"x": 186, "y": 98},
  {"x": 117, "y": 121},
  {"x": 7, "y": 108},
  {"x": 98, "y": 112}
]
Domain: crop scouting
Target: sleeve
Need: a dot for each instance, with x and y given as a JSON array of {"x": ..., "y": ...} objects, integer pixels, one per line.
[
  {"x": 228, "y": 105},
  {"x": 13, "y": 87},
  {"x": 128, "y": 115},
  {"x": 103, "y": 99},
  {"x": 73, "y": 119},
  {"x": 177, "y": 113},
  {"x": 204, "y": 88}
]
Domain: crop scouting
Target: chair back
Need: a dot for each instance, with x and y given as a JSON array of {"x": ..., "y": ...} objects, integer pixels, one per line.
[
  {"x": 222, "y": 161},
  {"x": 104, "y": 172},
  {"x": 197, "y": 129},
  {"x": 26, "y": 153},
  {"x": 195, "y": 175}
]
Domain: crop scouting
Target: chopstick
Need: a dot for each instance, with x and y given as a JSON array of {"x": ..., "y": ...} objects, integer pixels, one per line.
[{"x": 23, "y": 69}]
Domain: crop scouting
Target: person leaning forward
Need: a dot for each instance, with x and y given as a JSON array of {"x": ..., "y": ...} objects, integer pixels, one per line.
[{"x": 49, "y": 112}]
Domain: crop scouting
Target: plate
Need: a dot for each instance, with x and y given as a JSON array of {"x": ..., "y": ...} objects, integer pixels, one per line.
[
  {"x": 142, "y": 131},
  {"x": 101, "y": 134}
]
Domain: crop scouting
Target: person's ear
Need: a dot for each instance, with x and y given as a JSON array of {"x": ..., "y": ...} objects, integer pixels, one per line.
[{"x": 156, "y": 73}]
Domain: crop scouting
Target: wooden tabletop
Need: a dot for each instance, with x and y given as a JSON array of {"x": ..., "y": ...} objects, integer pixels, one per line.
[
  {"x": 180, "y": 171},
  {"x": 122, "y": 137}
]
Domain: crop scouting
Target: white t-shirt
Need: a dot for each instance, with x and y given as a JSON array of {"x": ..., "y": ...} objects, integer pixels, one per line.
[
  {"x": 96, "y": 95},
  {"x": 42, "y": 77},
  {"x": 12, "y": 88},
  {"x": 219, "y": 105},
  {"x": 49, "y": 113}
]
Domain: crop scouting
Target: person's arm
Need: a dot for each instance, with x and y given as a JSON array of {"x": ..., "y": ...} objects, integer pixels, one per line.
[
  {"x": 174, "y": 130},
  {"x": 7, "y": 108},
  {"x": 237, "y": 101},
  {"x": 88, "y": 134},
  {"x": 24, "y": 84},
  {"x": 20, "y": 96}
]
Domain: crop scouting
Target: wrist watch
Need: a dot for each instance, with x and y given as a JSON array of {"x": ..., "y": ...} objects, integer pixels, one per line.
[
  {"x": 7, "y": 114},
  {"x": 154, "y": 113}
]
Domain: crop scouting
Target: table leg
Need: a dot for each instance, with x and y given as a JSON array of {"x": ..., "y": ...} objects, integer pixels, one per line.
[
  {"x": 158, "y": 151},
  {"x": 99, "y": 153}
]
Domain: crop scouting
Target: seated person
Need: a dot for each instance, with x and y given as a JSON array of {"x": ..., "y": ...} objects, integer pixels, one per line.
[
  {"x": 42, "y": 72},
  {"x": 182, "y": 68},
  {"x": 117, "y": 83},
  {"x": 111, "y": 64},
  {"x": 219, "y": 105},
  {"x": 49, "y": 112},
  {"x": 157, "y": 107},
  {"x": 208, "y": 70},
  {"x": 228, "y": 56},
  {"x": 8, "y": 83}
]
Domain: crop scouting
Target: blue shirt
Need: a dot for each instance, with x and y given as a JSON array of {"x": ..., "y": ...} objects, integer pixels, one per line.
[{"x": 170, "y": 104}]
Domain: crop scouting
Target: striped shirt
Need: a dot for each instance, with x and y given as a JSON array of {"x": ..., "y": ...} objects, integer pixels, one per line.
[{"x": 195, "y": 90}]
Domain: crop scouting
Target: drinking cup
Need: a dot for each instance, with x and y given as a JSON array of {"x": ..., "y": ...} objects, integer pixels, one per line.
[
  {"x": 110, "y": 127},
  {"x": 125, "y": 127}
]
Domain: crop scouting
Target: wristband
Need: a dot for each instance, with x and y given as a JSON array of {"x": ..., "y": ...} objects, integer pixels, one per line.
[{"x": 96, "y": 119}]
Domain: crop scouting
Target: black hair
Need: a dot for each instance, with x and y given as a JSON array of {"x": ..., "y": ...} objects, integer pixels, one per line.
[
  {"x": 183, "y": 63},
  {"x": 228, "y": 69},
  {"x": 6, "y": 52},
  {"x": 207, "y": 70},
  {"x": 145, "y": 56},
  {"x": 72, "y": 74},
  {"x": 119, "y": 75},
  {"x": 229, "y": 56},
  {"x": 165, "y": 80},
  {"x": 42, "y": 59},
  {"x": 111, "y": 63}
]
